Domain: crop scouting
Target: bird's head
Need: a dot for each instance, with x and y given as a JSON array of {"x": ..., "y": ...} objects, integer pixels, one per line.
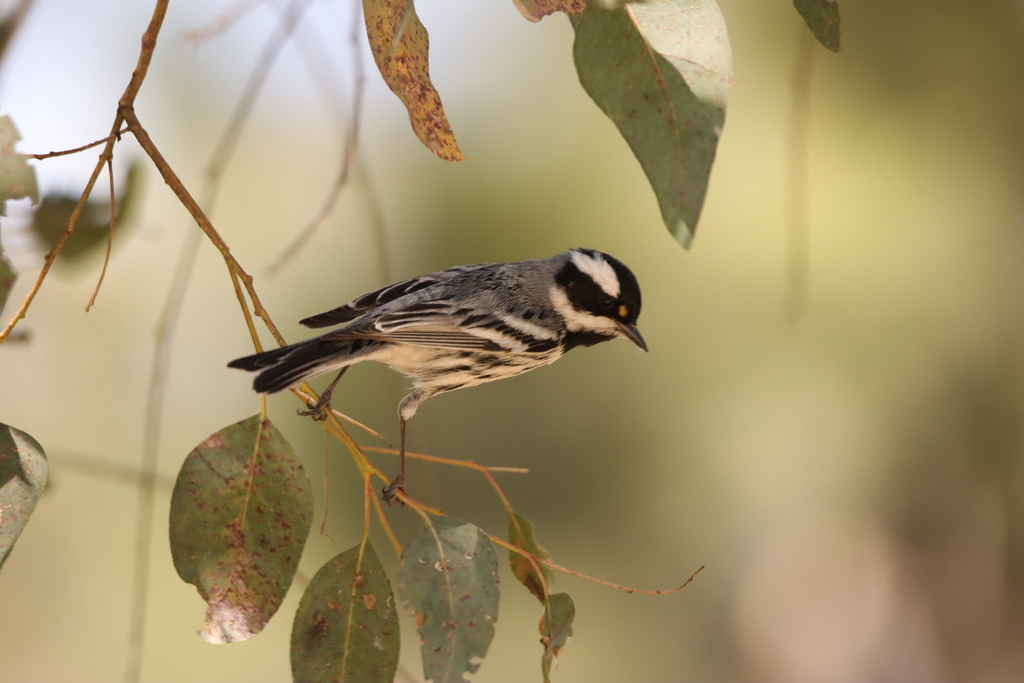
[{"x": 598, "y": 296}]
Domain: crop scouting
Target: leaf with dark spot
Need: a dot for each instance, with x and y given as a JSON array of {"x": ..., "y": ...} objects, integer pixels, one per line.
[
  {"x": 23, "y": 471},
  {"x": 822, "y": 17},
  {"x": 449, "y": 577},
  {"x": 240, "y": 514},
  {"x": 346, "y": 627},
  {"x": 555, "y": 630},
  {"x": 520, "y": 534},
  {"x": 400, "y": 45},
  {"x": 661, "y": 71}
]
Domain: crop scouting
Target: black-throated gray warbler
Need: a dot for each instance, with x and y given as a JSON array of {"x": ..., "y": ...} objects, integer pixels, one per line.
[{"x": 464, "y": 326}]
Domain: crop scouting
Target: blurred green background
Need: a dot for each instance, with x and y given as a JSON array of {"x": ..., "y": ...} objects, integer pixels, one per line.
[{"x": 853, "y": 484}]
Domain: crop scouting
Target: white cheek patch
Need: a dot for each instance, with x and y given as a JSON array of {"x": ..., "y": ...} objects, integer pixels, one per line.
[
  {"x": 599, "y": 271},
  {"x": 578, "y": 320}
]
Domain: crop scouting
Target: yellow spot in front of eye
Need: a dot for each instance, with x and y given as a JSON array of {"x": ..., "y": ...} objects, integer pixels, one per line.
[{"x": 623, "y": 311}]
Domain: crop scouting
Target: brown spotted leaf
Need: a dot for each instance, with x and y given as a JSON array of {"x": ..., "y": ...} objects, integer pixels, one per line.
[
  {"x": 520, "y": 534},
  {"x": 23, "y": 472},
  {"x": 555, "y": 630},
  {"x": 346, "y": 627},
  {"x": 400, "y": 45},
  {"x": 822, "y": 17},
  {"x": 449, "y": 577},
  {"x": 240, "y": 514},
  {"x": 535, "y": 10}
]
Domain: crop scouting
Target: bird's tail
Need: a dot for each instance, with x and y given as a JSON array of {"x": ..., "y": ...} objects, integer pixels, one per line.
[{"x": 281, "y": 368}]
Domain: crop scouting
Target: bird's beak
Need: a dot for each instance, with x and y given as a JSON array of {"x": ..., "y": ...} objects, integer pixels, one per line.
[{"x": 630, "y": 332}]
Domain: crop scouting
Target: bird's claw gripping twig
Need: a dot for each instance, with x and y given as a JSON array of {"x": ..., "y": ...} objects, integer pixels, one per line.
[{"x": 390, "y": 492}]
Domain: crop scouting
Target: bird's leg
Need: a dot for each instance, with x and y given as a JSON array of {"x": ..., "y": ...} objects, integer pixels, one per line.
[
  {"x": 319, "y": 409},
  {"x": 398, "y": 483}
]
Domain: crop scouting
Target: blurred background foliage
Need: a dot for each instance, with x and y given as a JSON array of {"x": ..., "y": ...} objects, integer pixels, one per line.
[{"x": 854, "y": 484}]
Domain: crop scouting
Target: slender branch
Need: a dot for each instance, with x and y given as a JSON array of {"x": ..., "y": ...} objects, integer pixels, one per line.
[
  {"x": 327, "y": 489},
  {"x": 125, "y": 103},
  {"x": 222, "y": 22},
  {"x": 72, "y": 222},
  {"x": 625, "y": 589},
  {"x": 796, "y": 200},
  {"x": 311, "y": 399},
  {"x": 327, "y": 82},
  {"x": 110, "y": 238},
  {"x": 327, "y": 209},
  {"x": 146, "y": 503},
  {"x": 387, "y": 526},
  {"x": 13, "y": 21},
  {"x": 100, "y": 468},
  {"x": 253, "y": 86},
  {"x": 449, "y": 461},
  {"x": 168, "y": 321},
  {"x": 76, "y": 150}
]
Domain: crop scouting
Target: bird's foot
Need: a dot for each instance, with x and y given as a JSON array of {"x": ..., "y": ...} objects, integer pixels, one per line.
[
  {"x": 319, "y": 410},
  {"x": 390, "y": 492}
]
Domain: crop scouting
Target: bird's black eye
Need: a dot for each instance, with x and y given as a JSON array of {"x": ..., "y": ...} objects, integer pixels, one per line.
[{"x": 607, "y": 302}]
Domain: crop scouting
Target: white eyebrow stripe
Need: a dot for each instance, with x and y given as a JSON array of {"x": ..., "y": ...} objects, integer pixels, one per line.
[{"x": 599, "y": 271}]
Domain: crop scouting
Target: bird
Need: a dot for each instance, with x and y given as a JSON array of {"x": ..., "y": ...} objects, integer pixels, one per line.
[{"x": 461, "y": 327}]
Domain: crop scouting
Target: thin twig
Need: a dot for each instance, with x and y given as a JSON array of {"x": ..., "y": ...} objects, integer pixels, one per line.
[
  {"x": 327, "y": 209},
  {"x": 15, "y": 19},
  {"x": 327, "y": 82},
  {"x": 76, "y": 150},
  {"x": 449, "y": 461},
  {"x": 625, "y": 589},
  {"x": 221, "y": 23},
  {"x": 327, "y": 488},
  {"x": 257, "y": 78},
  {"x": 147, "y": 482},
  {"x": 311, "y": 399},
  {"x": 126, "y": 102},
  {"x": 110, "y": 238},
  {"x": 93, "y": 466},
  {"x": 168, "y": 322},
  {"x": 796, "y": 204}
]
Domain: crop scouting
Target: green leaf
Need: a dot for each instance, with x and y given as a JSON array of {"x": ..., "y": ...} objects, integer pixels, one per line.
[
  {"x": 822, "y": 17},
  {"x": 555, "y": 630},
  {"x": 346, "y": 627},
  {"x": 240, "y": 516},
  {"x": 17, "y": 178},
  {"x": 449, "y": 577},
  {"x": 91, "y": 232},
  {"x": 520, "y": 534},
  {"x": 661, "y": 71},
  {"x": 400, "y": 45},
  {"x": 22, "y": 480}
]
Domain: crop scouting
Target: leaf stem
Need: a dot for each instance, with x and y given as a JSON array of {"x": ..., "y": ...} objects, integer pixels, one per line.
[{"x": 625, "y": 589}]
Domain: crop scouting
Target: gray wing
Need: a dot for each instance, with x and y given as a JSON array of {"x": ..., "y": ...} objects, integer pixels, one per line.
[
  {"x": 442, "y": 324},
  {"x": 384, "y": 295}
]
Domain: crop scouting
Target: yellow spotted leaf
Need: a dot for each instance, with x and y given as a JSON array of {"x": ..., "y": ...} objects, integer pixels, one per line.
[{"x": 400, "y": 45}]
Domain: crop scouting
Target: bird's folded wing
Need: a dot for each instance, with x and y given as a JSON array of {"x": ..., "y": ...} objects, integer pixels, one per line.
[
  {"x": 379, "y": 297},
  {"x": 439, "y": 327}
]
